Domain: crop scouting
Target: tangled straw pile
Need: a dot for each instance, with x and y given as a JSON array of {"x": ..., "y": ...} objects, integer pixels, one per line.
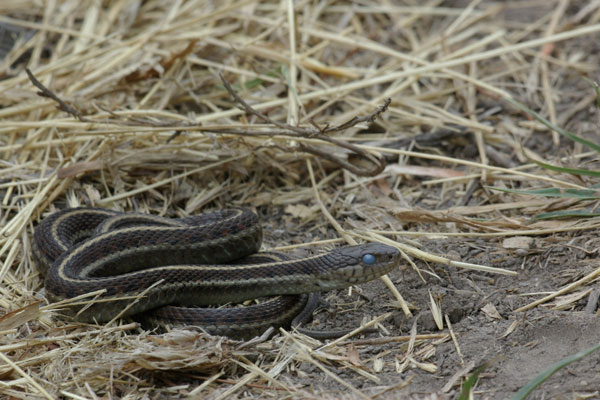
[{"x": 134, "y": 116}]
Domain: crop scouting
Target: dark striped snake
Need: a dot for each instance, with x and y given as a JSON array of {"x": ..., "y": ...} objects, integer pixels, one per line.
[{"x": 181, "y": 265}]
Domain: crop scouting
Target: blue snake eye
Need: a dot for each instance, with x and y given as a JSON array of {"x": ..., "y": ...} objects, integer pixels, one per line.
[{"x": 368, "y": 259}]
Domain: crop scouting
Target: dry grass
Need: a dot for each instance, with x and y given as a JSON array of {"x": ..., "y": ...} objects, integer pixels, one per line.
[{"x": 158, "y": 133}]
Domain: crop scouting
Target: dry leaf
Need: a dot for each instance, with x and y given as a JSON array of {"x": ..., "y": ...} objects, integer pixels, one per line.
[
  {"x": 79, "y": 167},
  {"x": 378, "y": 365},
  {"x": 299, "y": 211},
  {"x": 510, "y": 329},
  {"x": 518, "y": 242},
  {"x": 353, "y": 356},
  {"x": 490, "y": 311},
  {"x": 567, "y": 301}
]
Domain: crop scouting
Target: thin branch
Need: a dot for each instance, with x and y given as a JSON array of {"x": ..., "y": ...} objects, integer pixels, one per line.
[
  {"x": 246, "y": 107},
  {"x": 311, "y": 132},
  {"x": 45, "y": 92},
  {"x": 356, "y": 120},
  {"x": 314, "y": 132}
]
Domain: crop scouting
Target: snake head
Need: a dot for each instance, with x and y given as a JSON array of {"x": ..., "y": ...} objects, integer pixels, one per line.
[{"x": 358, "y": 264}]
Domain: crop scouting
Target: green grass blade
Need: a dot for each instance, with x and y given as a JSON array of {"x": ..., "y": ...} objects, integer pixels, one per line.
[
  {"x": 469, "y": 384},
  {"x": 541, "y": 378},
  {"x": 574, "y": 171},
  {"x": 580, "y": 194},
  {"x": 553, "y": 127},
  {"x": 596, "y": 89},
  {"x": 567, "y": 214}
]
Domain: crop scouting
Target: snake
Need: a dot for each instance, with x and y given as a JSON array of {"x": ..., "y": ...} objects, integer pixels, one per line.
[{"x": 166, "y": 271}]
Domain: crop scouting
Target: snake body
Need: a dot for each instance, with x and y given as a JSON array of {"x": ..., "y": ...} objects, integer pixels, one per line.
[{"x": 182, "y": 264}]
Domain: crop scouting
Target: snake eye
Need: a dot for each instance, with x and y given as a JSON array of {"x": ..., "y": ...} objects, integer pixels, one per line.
[{"x": 368, "y": 259}]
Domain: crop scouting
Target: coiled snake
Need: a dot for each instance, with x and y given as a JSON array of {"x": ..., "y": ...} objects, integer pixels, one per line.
[{"x": 183, "y": 264}]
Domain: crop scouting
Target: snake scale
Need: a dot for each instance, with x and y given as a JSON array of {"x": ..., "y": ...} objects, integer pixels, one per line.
[{"x": 182, "y": 265}]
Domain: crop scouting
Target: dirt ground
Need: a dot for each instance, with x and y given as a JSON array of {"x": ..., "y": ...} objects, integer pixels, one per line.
[
  {"x": 445, "y": 131},
  {"x": 518, "y": 345}
]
